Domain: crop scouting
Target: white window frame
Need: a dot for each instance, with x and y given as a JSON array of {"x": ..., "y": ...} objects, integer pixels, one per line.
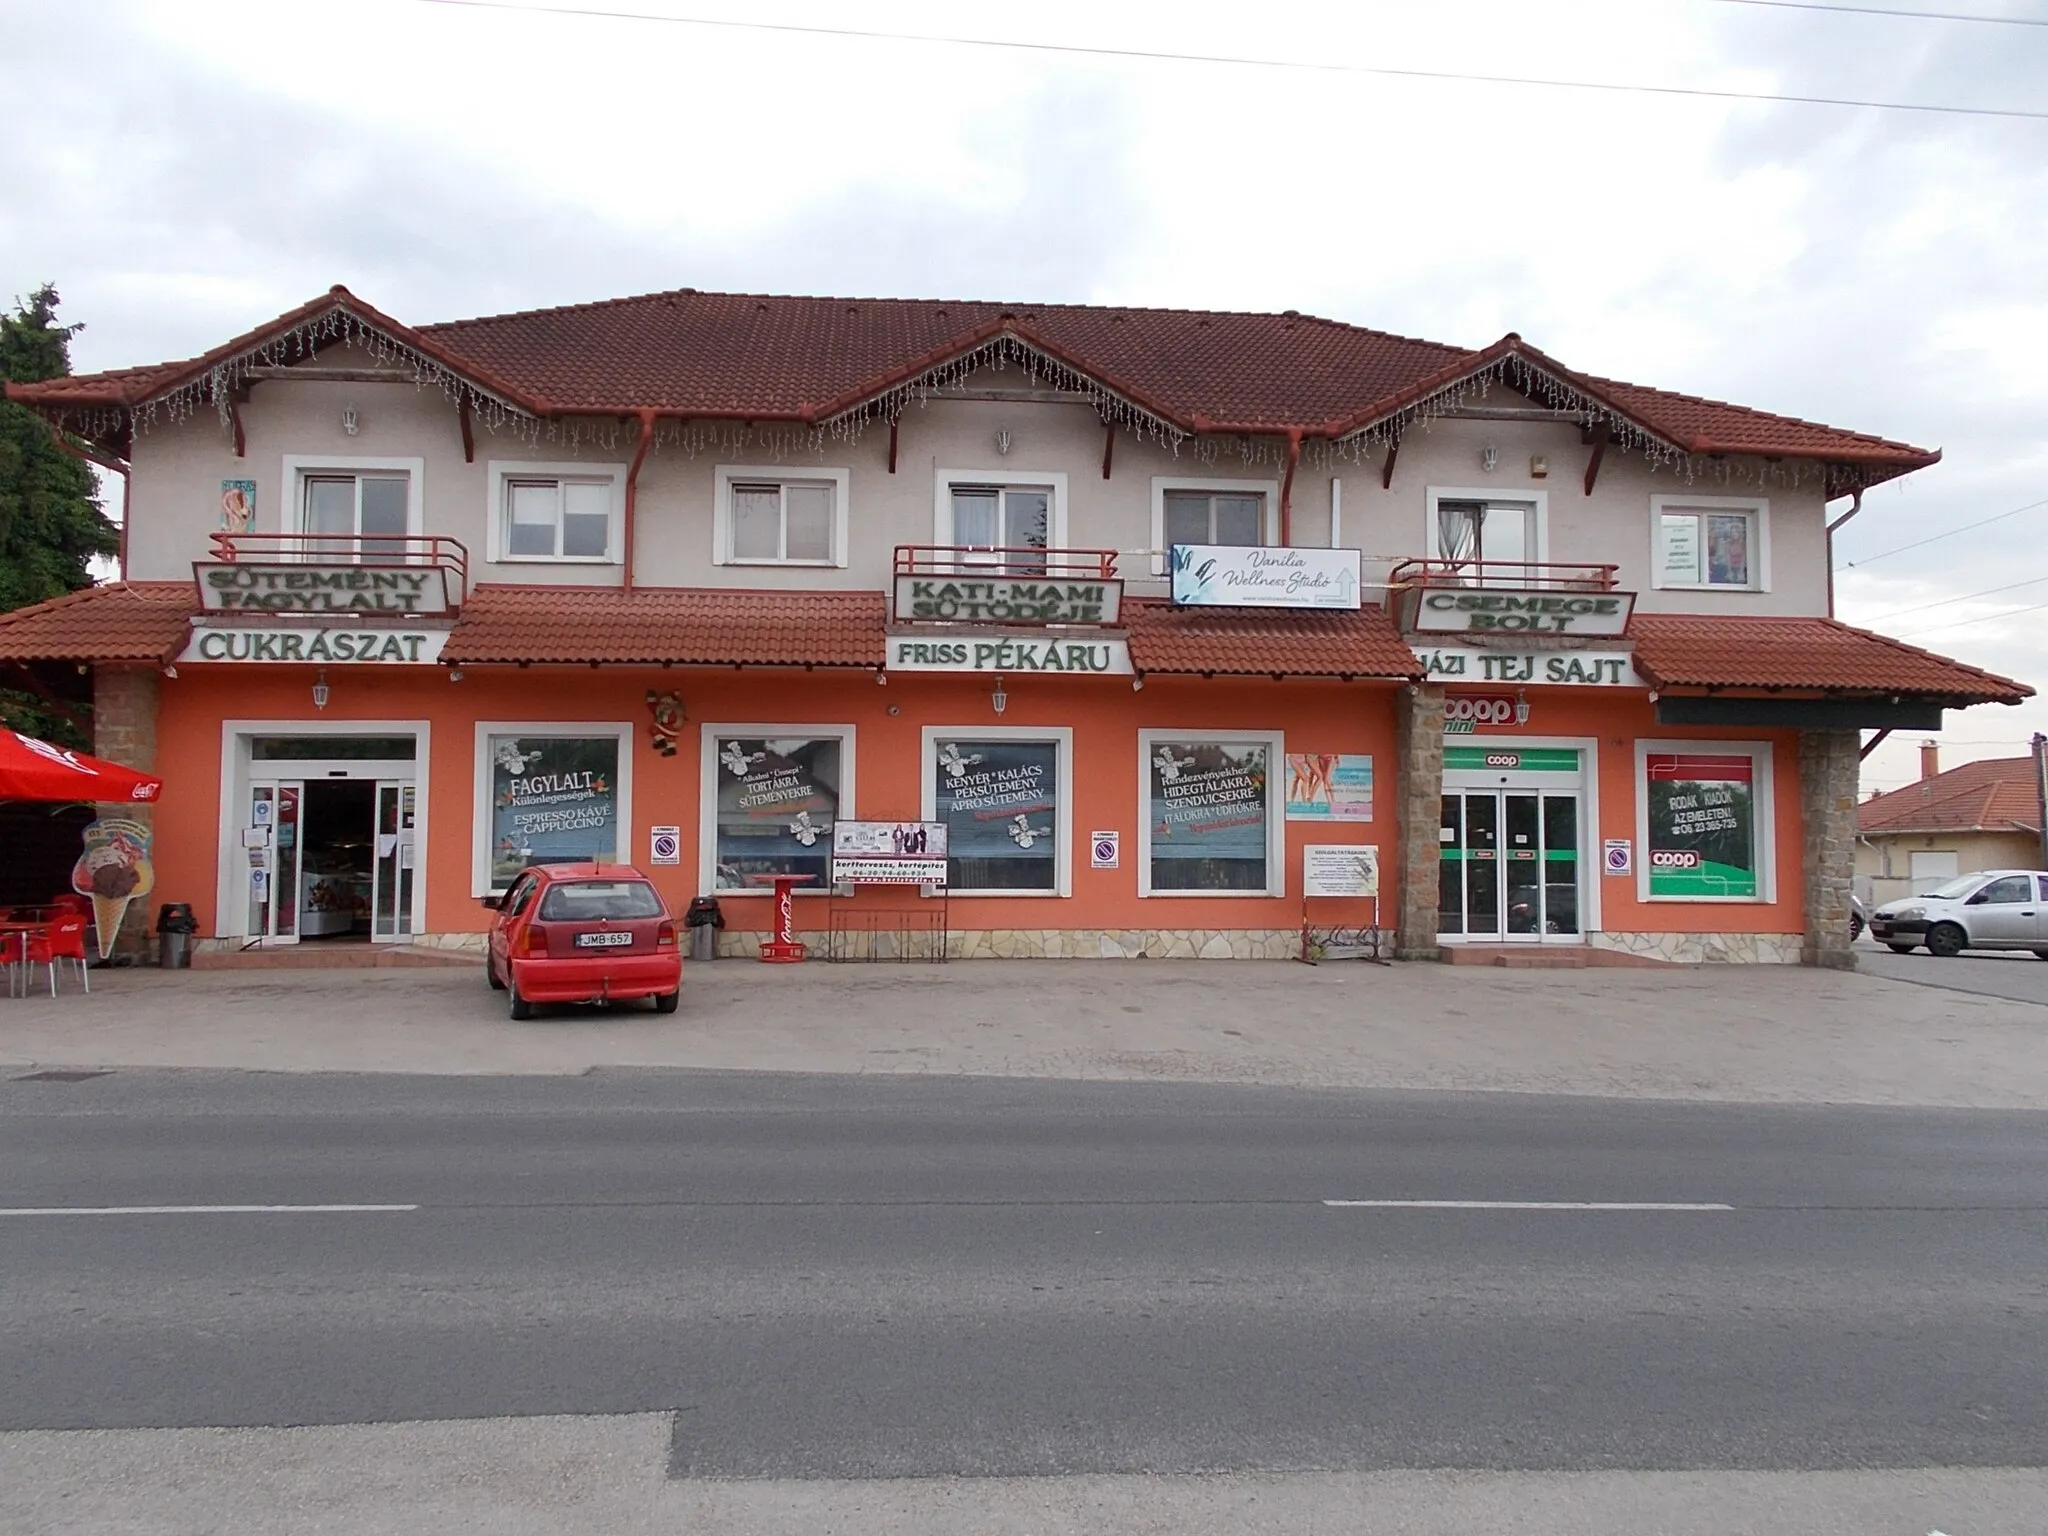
[
  {"x": 1759, "y": 510},
  {"x": 1762, "y": 756},
  {"x": 1276, "y": 808},
  {"x": 299, "y": 467},
  {"x": 725, "y": 476},
  {"x": 707, "y": 794},
  {"x": 1161, "y": 484},
  {"x": 944, "y": 480},
  {"x": 1063, "y": 792},
  {"x": 1539, "y": 546},
  {"x": 480, "y": 806},
  {"x": 499, "y": 520}
]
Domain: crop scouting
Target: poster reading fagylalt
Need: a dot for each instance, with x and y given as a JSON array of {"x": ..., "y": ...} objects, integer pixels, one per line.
[
  {"x": 1702, "y": 825},
  {"x": 554, "y": 799},
  {"x": 1208, "y": 815},
  {"x": 777, "y": 802}
]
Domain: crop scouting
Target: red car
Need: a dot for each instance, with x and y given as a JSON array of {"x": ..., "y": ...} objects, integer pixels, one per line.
[{"x": 584, "y": 933}]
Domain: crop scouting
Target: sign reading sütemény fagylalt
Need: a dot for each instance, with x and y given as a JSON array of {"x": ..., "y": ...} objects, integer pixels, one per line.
[
  {"x": 1007, "y": 600},
  {"x": 295, "y": 587}
]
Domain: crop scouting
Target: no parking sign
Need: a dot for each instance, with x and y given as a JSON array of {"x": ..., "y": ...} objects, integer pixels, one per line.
[
  {"x": 1103, "y": 848},
  {"x": 1617, "y": 856},
  {"x": 665, "y": 845}
]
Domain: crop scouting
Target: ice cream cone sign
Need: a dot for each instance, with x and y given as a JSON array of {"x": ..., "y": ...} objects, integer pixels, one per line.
[{"x": 113, "y": 870}]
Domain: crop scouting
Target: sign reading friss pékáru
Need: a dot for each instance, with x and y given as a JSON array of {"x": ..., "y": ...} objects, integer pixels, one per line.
[
  {"x": 300, "y": 587},
  {"x": 1009, "y": 653},
  {"x": 964, "y": 599}
]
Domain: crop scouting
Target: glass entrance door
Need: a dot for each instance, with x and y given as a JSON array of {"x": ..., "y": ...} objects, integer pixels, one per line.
[
  {"x": 270, "y": 858},
  {"x": 1508, "y": 865},
  {"x": 391, "y": 871}
]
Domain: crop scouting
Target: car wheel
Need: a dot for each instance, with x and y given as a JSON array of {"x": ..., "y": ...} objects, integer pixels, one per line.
[
  {"x": 1855, "y": 928},
  {"x": 491, "y": 973},
  {"x": 519, "y": 1007},
  {"x": 665, "y": 1002},
  {"x": 1946, "y": 940},
  {"x": 1902, "y": 949}
]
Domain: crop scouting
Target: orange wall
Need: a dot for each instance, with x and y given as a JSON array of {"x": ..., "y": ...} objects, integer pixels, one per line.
[{"x": 1105, "y": 715}]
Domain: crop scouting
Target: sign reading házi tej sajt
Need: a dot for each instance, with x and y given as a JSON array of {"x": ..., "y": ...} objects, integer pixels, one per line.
[
  {"x": 1007, "y": 600},
  {"x": 400, "y": 646},
  {"x": 974, "y": 653},
  {"x": 293, "y": 587},
  {"x": 1524, "y": 613},
  {"x": 1582, "y": 669}
]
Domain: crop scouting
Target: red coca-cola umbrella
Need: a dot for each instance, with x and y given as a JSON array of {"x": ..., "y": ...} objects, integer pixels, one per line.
[{"x": 35, "y": 770}]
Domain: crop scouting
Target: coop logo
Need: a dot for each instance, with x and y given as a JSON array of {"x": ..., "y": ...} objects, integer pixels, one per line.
[
  {"x": 1464, "y": 713},
  {"x": 1503, "y": 759},
  {"x": 1674, "y": 858}
]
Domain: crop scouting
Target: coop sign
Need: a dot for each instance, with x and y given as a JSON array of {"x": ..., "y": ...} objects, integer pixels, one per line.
[
  {"x": 1571, "y": 669},
  {"x": 297, "y": 587},
  {"x": 320, "y": 646},
  {"x": 1007, "y": 600},
  {"x": 1009, "y": 653}
]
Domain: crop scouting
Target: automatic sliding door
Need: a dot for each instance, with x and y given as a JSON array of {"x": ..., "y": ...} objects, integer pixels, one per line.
[
  {"x": 1522, "y": 866},
  {"x": 1560, "y": 863},
  {"x": 1482, "y": 865}
]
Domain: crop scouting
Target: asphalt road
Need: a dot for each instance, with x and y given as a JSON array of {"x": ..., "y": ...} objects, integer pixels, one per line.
[
  {"x": 2013, "y": 974},
  {"x": 861, "y": 1278}
]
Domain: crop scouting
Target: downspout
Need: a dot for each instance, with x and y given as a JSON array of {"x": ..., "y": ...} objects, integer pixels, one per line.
[
  {"x": 1855, "y": 506},
  {"x": 113, "y": 465},
  {"x": 1287, "y": 487},
  {"x": 633, "y": 490}
]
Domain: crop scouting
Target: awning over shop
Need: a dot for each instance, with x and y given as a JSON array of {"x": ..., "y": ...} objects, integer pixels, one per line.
[
  {"x": 122, "y": 621},
  {"x": 693, "y": 626},
  {"x": 1240, "y": 642}
]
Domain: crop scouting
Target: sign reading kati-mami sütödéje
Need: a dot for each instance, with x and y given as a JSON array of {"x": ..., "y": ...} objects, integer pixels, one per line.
[
  {"x": 297, "y": 587},
  {"x": 1007, "y": 600}
]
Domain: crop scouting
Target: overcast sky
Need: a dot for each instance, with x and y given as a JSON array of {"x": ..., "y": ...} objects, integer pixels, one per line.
[{"x": 183, "y": 172}]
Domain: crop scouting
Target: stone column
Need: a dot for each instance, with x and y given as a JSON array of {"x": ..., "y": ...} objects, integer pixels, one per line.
[
  {"x": 1828, "y": 765},
  {"x": 1418, "y": 813},
  {"x": 124, "y": 732}
]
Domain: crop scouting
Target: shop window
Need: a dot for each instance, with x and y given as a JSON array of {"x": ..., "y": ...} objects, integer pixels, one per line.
[
  {"x": 771, "y": 796},
  {"x": 550, "y": 794},
  {"x": 769, "y": 516},
  {"x": 1211, "y": 816},
  {"x": 573, "y": 513},
  {"x": 1710, "y": 542},
  {"x": 1704, "y": 820},
  {"x": 1004, "y": 797}
]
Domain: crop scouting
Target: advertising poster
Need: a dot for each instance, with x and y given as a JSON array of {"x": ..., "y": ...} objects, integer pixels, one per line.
[
  {"x": 999, "y": 801},
  {"x": 1208, "y": 815},
  {"x": 1702, "y": 825},
  {"x": 114, "y": 869},
  {"x": 237, "y": 506},
  {"x": 777, "y": 803},
  {"x": 889, "y": 853},
  {"x": 1340, "y": 869},
  {"x": 554, "y": 800},
  {"x": 1328, "y": 786}
]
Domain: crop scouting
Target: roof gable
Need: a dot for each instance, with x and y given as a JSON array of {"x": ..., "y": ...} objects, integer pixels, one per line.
[{"x": 1990, "y": 795}]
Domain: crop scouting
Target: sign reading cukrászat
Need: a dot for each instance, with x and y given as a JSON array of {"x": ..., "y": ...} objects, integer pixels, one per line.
[
  {"x": 322, "y": 646},
  {"x": 1007, "y": 600},
  {"x": 1008, "y": 653},
  {"x": 296, "y": 587},
  {"x": 1571, "y": 669}
]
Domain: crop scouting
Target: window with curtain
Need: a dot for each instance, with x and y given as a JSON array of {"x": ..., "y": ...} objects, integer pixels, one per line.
[
  {"x": 783, "y": 522},
  {"x": 557, "y": 519},
  {"x": 1472, "y": 531},
  {"x": 1003, "y": 517}
]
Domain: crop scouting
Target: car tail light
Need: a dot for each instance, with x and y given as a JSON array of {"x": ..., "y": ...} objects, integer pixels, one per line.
[
  {"x": 536, "y": 940},
  {"x": 665, "y": 934}
]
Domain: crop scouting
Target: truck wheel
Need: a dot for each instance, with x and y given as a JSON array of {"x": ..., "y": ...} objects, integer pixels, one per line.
[{"x": 1946, "y": 940}]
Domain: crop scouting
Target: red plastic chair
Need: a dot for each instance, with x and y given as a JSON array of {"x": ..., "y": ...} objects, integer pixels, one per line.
[
  {"x": 14, "y": 956},
  {"x": 61, "y": 939}
]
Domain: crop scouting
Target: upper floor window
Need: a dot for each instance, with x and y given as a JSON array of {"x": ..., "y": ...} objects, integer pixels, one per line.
[
  {"x": 564, "y": 512},
  {"x": 769, "y": 516},
  {"x": 1235, "y": 512},
  {"x": 1001, "y": 519},
  {"x": 1710, "y": 542},
  {"x": 354, "y": 508},
  {"x": 1479, "y": 528}
]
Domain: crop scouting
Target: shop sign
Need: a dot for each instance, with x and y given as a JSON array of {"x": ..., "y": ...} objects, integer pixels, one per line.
[
  {"x": 1511, "y": 759},
  {"x": 297, "y": 587},
  {"x": 1700, "y": 821},
  {"x": 888, "y": 853},
  {"x": 1465, "y": 713},
  {"x": 1469, "y": 611},
  {"x": 400, "y": 646},
  {"x": 1587, "y": 669},
  {"x": 1329, "y": 786},
  {"x": 1236, "y": 576},
  {"x": 1008, "y": 653},
  {"x": 1007, "y": 600},
  {"x": 1340, "y": 869}
]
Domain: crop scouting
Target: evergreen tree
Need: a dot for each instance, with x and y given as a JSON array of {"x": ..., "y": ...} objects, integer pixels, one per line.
[{"x": 51, "y": 525}]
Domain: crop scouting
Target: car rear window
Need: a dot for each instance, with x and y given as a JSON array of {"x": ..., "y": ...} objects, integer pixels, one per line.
[{"x": 578, "y": 900}]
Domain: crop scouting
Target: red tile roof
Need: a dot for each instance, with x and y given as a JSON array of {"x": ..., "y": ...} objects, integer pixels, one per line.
[
  {"x": 710, "y": 355},
  {"x": 1997, "y": 794},
  {"x": 1683, "y": 650},
  {"x": 1257, "y": 643},
  {"x": 121, "y": 621},
  {"x": 682, "y": 626}
]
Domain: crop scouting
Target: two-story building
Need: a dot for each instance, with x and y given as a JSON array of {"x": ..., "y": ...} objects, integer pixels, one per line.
[{"x": 1160, "y": 613}]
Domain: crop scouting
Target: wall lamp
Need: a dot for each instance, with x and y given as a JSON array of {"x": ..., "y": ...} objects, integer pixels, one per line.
[
  {"x": 350, "y": 422},
  {"x": 999, "y": 699},
  {"x": 321, "y": 692},
  {"x": 455, "y": 674}
]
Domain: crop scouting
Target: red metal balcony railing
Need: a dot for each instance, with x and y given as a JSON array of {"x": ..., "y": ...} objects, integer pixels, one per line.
[
  {"x": 389, "y": 551},
  {"x": 1504, "y": 575},
  {"x": 1006, "y": 560}
]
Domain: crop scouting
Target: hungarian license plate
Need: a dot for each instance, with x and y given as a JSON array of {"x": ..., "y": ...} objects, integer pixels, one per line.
[{"x": 613, "y": 938}]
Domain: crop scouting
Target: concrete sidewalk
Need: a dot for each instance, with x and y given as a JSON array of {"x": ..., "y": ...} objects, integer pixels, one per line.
[{"x": 1762, "y": 1034}]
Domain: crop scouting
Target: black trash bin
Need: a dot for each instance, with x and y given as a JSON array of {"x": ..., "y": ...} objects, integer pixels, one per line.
[
  {"x": 704, "y": 919},
  {"x": 175, "y": 926}
]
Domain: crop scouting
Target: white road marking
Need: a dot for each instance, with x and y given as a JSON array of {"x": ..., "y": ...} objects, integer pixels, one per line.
[
  {"x": 197, "y": 1210},
  {"x": 1528, "y": 1205}
]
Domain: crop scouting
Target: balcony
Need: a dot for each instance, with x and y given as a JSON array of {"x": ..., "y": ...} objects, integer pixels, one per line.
[
  {"x": 1508, "y": 599},
  {"x": 960, "y": 584},
  {"x": 1502, "y": 576},
  {"x": 333, "y": 575}
]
